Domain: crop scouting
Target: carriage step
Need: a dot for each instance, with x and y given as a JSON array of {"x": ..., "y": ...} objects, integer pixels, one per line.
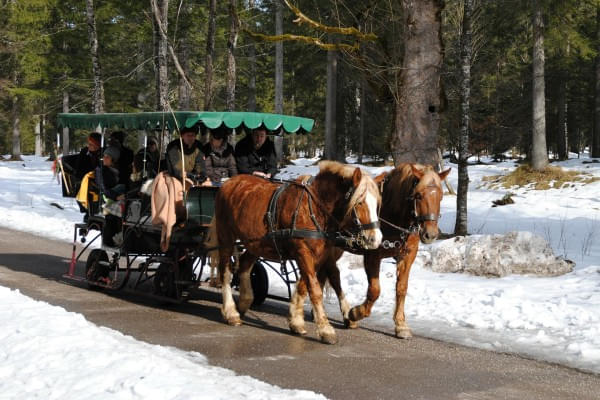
[
  {"x": 186, "y": 283},
  {"x": 160, "y": 259},
  {"x": 104, "y": 263}
]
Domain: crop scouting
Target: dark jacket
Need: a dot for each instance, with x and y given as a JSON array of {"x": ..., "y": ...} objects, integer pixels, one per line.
[
  {"x": 220, "y": 163},
  {"x": 107, "y": 179},
  {"x": 193, "y": 157},
  {"x": 125, "y": 164},
  {"x": 152, "y": 163},
  {"x": 249, "y": 160},
  {"x": 86, "y": 162}
]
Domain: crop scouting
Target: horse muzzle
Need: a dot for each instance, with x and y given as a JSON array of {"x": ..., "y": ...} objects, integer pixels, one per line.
[{"x": 371, "y": 238}]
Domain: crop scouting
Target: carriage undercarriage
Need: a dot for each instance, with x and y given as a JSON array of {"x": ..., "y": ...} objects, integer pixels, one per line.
[{"x": 175, "y": 276}]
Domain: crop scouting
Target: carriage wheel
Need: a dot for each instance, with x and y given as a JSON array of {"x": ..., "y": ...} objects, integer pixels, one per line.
[
  {"x": 164, "y": 281},
  {"x": 260, "y": 283},
  {"x": 94, "y": 270}
]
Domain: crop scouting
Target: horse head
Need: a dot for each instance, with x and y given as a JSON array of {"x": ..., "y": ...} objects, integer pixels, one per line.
[
  {"x": 426, "y": 197},
  {"x": 360, "y": 200}
]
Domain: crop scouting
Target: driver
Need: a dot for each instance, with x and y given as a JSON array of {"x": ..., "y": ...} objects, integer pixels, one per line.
[
  {"x": 255, "y": 154},
  {"x": 193, "y": 158}
]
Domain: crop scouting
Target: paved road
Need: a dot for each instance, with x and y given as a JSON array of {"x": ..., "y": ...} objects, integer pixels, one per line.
[{"x": 365, "y": 364}]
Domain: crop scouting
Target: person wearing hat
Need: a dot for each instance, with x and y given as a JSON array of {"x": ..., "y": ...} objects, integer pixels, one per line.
[
  {"x": 193, "y": 157},
  {"x": 220, "y": 161},
  {"x": 89, "y": 157},
  {"x": 107, "y": 179},
  {"x": 255, "y": 154},
  {"x": 124, "y": 165},
  {"x": 107, "y": 175}
]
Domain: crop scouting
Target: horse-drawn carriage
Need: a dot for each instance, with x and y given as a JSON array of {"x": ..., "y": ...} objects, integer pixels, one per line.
[
  {"x": 310, "y": 220},
  {"x": 138, "y": 262}
]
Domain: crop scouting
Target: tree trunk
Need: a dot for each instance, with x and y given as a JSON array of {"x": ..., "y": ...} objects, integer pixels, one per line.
[
  {"x": 210, "y": 51},
  {"x": 278, "y": 58},
  {"x": 16, "y": 129},
  {"x": 38, "y": 137},
  {"x": 161, "y": 49},
  {"x": 43, "y": 132},
  {"x": 231, "y": 45},
  {"x": 340, "y": 115},
  {"x": 251, "y": 66},
  {"x": 65, "y": 131},
  {"x": 539, "y": 153},
  {"x": 362, "y": 115},
  {"x": 329, "y": 152},
  {"x": 98, "y": 100},
  {"x": 596, "y": 133},
  {"x": 419, "y": 100},
  {"x": 185, "y": 92},
  {"x": 562, "y": 148},
  {"x": 460, "y": 226}
]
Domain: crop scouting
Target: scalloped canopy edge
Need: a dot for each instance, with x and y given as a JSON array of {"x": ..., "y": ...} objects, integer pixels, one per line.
[{"x": 178, "y": 119}]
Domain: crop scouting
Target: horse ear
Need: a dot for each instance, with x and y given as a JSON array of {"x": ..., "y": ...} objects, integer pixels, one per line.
[
  {"x": 416, "y": 171},
  {"x": 356, "y": 177},
  {"x": 444, "y": 174}
]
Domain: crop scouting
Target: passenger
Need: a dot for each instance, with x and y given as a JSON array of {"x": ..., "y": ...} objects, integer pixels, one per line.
[
  {"x": 107, "y": 176},
  {"x": 255, "y": 154},
  {"x": 151, "y": 155},
  {"x": 126, "y": 156},
  {"x": 193, "y": 158},
  {"x": 220, "y": 161},
  {"x": 107, "y": 179},
  {"x": 89, "y": 156}
]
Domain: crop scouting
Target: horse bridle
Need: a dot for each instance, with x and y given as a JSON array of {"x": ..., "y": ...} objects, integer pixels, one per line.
[
  {"x": 415, "y": 197},
  {"x": 416, "y": 219},
  {"x": 358, "y": 226}
]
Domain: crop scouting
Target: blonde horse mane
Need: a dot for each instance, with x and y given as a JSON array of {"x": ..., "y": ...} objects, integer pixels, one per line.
[{"x": 366, "y": 184}]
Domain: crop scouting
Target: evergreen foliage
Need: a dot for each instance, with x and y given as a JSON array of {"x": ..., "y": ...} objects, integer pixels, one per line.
[{"x": 44, "y": 51}]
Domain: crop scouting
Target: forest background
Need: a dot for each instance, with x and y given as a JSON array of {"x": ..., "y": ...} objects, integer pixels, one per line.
[{"x": 48, "y": 65}]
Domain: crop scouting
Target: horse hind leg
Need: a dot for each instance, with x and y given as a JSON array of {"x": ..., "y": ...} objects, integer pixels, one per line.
[
  {"x": 247, "y": 261},
  {"x": 228, "y": 309},
  {"x": 296, "y": 315}
]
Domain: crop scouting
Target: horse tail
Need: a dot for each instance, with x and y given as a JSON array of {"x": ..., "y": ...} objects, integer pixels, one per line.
[{"x": 212, "y": 244}]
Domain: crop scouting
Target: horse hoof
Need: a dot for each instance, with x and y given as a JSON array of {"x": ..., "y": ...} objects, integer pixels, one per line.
[
  {"x": 234, "y": 321},
  {"x": 349, "y": 324},
  {"x": 403, "y": 333},
  {"x": 329, "y": 339},
  {"x": 353, "y": 315},
  {"x": 298, "y": 330}
]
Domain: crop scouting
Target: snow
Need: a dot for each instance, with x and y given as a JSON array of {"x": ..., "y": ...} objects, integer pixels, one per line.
[{"x": 555, "y": 319}]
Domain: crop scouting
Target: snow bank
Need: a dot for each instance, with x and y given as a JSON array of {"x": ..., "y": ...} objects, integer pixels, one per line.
[{"x": 497, "y": 255}]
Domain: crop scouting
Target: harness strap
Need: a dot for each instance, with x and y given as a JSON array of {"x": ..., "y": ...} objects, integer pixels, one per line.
[
  {"x": 296, "y": 233},
  {"x": 271, "y": 211}
]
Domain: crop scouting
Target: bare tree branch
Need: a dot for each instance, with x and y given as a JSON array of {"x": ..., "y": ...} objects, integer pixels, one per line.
[{"x": 171, "y": 51}]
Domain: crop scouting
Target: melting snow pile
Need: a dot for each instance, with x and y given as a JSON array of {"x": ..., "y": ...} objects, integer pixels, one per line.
[{"x": 496, "y": 256}]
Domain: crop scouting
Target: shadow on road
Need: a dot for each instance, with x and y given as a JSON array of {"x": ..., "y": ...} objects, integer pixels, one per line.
[{"x": 204, "y": 302}]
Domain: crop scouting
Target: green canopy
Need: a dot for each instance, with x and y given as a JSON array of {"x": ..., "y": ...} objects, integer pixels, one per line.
[{"x": 178, "y": 119}]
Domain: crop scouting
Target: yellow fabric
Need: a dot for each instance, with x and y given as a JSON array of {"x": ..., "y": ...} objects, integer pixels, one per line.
[{"x": 82, "y": 195}]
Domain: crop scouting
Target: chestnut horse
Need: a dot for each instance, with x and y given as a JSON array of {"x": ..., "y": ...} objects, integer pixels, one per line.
[
  {"x": 411, "y": 197},
  {"x": 300, "y": 227}
]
